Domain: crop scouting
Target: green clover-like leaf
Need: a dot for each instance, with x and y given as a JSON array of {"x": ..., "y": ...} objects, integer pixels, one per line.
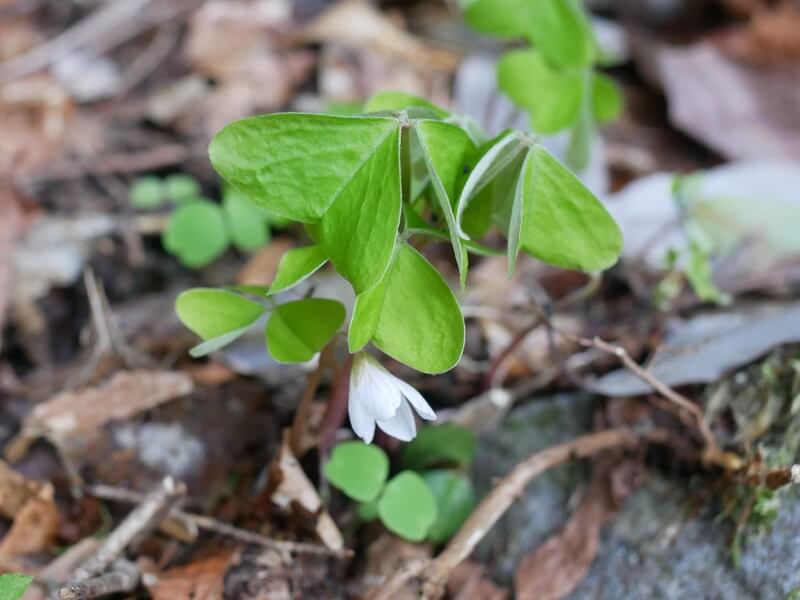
[
  {"x": 297, "y": 330},
  {"x": 455, "y": 499},
  {"x": 218, "y": 316},
  {"x": 440, "y": 444},
  {"x": 13, "y": 585},
  {"x": 341, "y": 173},
  {"x": 407, "y": 506},
  {"x": 146, "y": 192},
  {"x": 196, "y": 234},
  {"x": 358, "y": 469},
  {"x": 411, "y": 315},
  {"x": 296, "y": 265}
]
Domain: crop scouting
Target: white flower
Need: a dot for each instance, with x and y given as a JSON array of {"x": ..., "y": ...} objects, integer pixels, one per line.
[{"x": 378, "y": 397}]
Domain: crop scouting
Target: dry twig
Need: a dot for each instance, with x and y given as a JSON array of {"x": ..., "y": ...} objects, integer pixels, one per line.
[
  {"x": 143, "y": 519},
  {"x": 286, "y": 548},
  {"x": 122, "y": 577}
]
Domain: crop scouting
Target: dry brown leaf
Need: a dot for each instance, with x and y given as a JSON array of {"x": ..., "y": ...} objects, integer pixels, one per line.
[
  {"x": 235, "y": 43},
  {"x": 33, "y": 530},
  {"x": 356, "y": 24},
  {"x": 468, "y": 582},
  {"x": 741, "y": 111},
  {"x": 15, "y": 491},
  {"x": 291, "y": 490},
  {"x": 771, "y": 36},
  {"x": 126, "y": 394},
  {"x": 200, "y": 580},
  {"x": 10, "y": 227},
  {"x": 554, "y": 569}
]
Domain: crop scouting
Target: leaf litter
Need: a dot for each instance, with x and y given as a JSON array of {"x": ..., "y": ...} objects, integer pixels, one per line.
[{"x": 84, "y": 114}]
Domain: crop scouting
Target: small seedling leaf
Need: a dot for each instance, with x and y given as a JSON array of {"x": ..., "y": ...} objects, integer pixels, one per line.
[
  {"x": 218, "y": 316},
  {"x": 440, "y": 444},
  {"x": 407, "y": 507},
  {"x": 181, "y": 188},
  {"x": 553, "y": 97},
  {"x": 358, "y": 469},
  {"x": 247, "y": 223},
  {"x": 455, "y": 499},
  {"x": 196, "y": 234},
  {"x": 13, "y": 585},
  {"x": 146, "y": 192}
]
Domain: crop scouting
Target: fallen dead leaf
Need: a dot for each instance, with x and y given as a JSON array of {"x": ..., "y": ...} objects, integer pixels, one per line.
[
  {"x": 15, "y": 491},
  {"x": 236, "y": 44},
  {"x": 291, "y": 490},
  {"x": 772, "y": 36},
  {"x": 554, "y": 569},
  {"x": 126, "y": 394},
  {"x": 199, "y": 580},
  {"x": 706, "y": 347},
  {"x": 356, "y": 24},
  {"x": 33, "y": 530},
  {"x": 53, "y": 251},
  {"x": 739, "y": 110},
  {"x": 468, "y": 581}
]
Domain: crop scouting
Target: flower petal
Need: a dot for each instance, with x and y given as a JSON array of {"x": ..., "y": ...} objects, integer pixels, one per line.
[
  {"x": 423, "y": 409},
  {"x": 402, "y": 425},
  {"x": 360, "y": 420},
  {"x": 374, "y": 388}
]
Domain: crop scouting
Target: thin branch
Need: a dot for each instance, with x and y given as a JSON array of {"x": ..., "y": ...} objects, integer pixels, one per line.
[
  {"x": 141, "y": 521},
  {"x": 122, "y": 577},
  {"x": 106, "y": 492},
  {"x": 712, "y": 453},
  {"x": 128, "y": 162}
]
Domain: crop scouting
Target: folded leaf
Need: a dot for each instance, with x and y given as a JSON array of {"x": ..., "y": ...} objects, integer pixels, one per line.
[
  {"x": 411, "y": 315},
  {"x": 340, "y": 172},
  {"x": 296, "y": 265},
  {"x": 564, "y": 224},
  {"x": 297, "y": 330},
  {"x": 446, "y": 149},
  {"x": 216, "y": 315}
]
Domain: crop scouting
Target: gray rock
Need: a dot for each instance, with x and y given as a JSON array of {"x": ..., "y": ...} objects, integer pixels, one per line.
[
  {"x": 659, "y": 546},
  {"x": 545, "y": 505},
  {"x": 655, "y": 549}
]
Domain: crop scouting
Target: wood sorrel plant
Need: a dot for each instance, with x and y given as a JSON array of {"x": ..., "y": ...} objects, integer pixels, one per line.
[
  {"x": 555, "y": 79},
  {"x": 366, "y": 187}
]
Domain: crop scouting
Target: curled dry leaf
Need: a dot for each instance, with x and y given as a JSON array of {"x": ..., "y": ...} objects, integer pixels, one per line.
[
  {"x": 356, "y": 24},
  {"x": 33, "y": 530},
  {"x": 126, "y": 394},
  {"x": 468, "y": 581},
  {"x": 202, "y": 579},
  {"x": 15, "y": 491},
  {"x": 739, "y": 110},
  {"x": 554, "y": 569},
  {"x": 292, "y": 491}
]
